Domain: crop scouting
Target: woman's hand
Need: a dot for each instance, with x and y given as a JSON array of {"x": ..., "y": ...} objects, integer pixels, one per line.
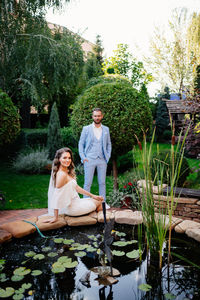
[{"x": 98, "y": 198}]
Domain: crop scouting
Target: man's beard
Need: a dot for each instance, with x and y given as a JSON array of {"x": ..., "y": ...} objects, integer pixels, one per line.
[{"x": 97, "y": 122}]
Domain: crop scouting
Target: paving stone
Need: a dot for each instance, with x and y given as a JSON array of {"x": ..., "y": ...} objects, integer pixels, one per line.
[
  {"x": 19, "y": 229},
  {"x": 127, "y": 216},
  {"x": 80, "y": 221},
  {"x": 193, "y": 233},
  {"x": 109, "y": 215},
  {"x": 4, "y": 236},
  {"x": 49, "y": 226},
  {"x": 186, "y": 224}
]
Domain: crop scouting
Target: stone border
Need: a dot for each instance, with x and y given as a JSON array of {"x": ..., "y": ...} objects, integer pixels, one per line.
[{"x": 20, "y": 229}]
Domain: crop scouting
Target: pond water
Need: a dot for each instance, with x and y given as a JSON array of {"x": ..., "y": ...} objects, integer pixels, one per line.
[{"x": 48, "y": 276}]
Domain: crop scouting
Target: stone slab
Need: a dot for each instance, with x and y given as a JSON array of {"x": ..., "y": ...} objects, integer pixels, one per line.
[
  {"x": 5, "y": 236},
  {"x": 49, "y": 226},
  {"x": 128, "y": 217},
  {"x": 193, "y": 233},
  {"x": 19, "y": 229},
  {"x": 186, "y": 224},
  {"x": 80, "y": 221},
  {"x": 109, "y": 215},
  {"x": 175, "y": 199}
]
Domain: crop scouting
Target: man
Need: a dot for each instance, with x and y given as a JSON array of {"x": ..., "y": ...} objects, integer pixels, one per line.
[{"x": 95, "y": 151}]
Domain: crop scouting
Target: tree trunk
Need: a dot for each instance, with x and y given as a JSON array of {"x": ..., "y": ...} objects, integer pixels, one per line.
[
  {"x": 115, "y": 173},
  {"x": 25, "y": 114}
]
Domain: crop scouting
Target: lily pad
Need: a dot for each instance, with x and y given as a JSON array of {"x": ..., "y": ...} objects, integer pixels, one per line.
[
  {"x": 22, "y": 271},
  {"x": 68, "y": 242},
  {"x": 21, "y": 290},
  {"x": 80, "y": 254},
  {"x": 120, "y": 233},
  {"x": 2, "y": 261},
  {"x": 63, "y": 259},
  {"x": 18, "y": 296},
  {"x": 90, "y": 249},
  {"x": 26, "y": 286},
  {"x": 169, "y": 296},
  {"x": 39, "y": 256},
  {"x": 17, "y": 277},
  {"x": 9, "y": 291},
  {"x": 145, "y": 287},
  {"x": 133, "y": 254},
  {"x": 52, "y": 254},
  {"x": 118, "y": 253},
  {"x": 82, "y": 247},
  {"x": 72, "y": 264},
  {"x": 30, "y": 254},
  {"x": 3, "y": 277},
  {"x": 58, "y": 269},
  {"x": 58, "y": 241},
  {"x": 120, "y": 243},
  {"x": 36, "y": 272},
  {"x": 46, "y": 249}
]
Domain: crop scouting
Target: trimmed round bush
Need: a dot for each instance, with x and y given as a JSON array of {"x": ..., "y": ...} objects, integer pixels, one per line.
[
  {"x": 108, "y": 79},
  {"x": 126, "y": 113},
  {"x": 9, "y": 120},
  {"x": 163, "y": 160}
]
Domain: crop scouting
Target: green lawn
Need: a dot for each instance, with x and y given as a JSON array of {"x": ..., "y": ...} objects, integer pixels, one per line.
[{"x": 30, "y": 191}]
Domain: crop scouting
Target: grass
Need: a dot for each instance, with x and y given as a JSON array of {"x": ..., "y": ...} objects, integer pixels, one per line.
[{"x": 30, "y": 191}]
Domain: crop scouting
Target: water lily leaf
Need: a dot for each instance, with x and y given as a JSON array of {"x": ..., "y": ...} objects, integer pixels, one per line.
[
  {"x": 3, "y": 277},
  {"x": 145, "y": 287},
  {"x": 92, "y": 237},
  {"x": 26, "y": 286},
  {"x": 36, "y": 272},
  {"x": 2, "y": 261},
  {"x": 120, "y": 233},
  {"x": 30, "y": 254},
  {"x": 24, "y": 262},
  {"x": 120, "y": 243},
  {"x": 20, "y": 291},
  {"x": 80, "y": 254},
  {"x": 17, "y": 277},
  {"x": 68, "y": 242},
  {"x": 9, "y": 291},
  {"x": 52, "y": 254},
  {"x": 63, "y": 259},
  {"x": 76, "y": 245},
  {"x": 95, "y": 245},
  {"x": 39, "y": 256},
  {"x": 82, "y": 247},
  {"x": 98, "y": 251},
  {"x": 58, "y": 269},
  {"x": 18, "y": 296},
  {"x": 57, "y": 265},
  {"x": 90, "y": 249},
  {"x": 46, "y": 249},
  {"x": 169, "y": 296},
  {"x": 133, "y": 254},
  {"x": 58, "y": 241},
  {"x": 118, "y": 253},
  {"x": 22, "y": 271},
  {"x": 132, "y": 242},
  {"x": 72, "y": 264}
]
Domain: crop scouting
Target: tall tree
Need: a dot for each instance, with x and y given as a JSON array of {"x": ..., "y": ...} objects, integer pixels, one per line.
[
  {"x": 36, "y": 64},
  {"x": 169, "y": 60},
  {"x": 123, "y": 63}
]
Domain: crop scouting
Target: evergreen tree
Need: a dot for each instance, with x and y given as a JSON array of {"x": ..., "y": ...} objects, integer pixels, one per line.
[
  {"x": 162, "y": 115},
  {"x": 54, "y": 139}
]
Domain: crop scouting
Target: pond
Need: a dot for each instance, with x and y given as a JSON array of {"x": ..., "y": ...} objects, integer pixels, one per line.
[{"x": 54, "y": 268}]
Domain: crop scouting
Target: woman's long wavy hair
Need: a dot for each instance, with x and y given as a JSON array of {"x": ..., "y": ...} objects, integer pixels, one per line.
[{"x": 56, "y": 163}]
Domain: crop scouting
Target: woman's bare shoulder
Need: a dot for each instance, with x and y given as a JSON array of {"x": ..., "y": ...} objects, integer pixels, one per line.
[{"x": 61, "y": 178}]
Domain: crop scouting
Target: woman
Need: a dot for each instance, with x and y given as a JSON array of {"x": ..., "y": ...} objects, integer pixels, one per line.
[{"x": 63, "y": 190}]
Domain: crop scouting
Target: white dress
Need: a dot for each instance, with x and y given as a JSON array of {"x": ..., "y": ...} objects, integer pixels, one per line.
[{"x": 67, "y": 200}]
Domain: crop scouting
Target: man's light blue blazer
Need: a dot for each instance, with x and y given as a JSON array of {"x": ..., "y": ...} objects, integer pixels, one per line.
[{"x": 86, "y": 140}]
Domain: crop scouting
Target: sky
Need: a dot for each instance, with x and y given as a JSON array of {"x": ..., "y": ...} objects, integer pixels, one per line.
[{"x": 129, "y": 22}]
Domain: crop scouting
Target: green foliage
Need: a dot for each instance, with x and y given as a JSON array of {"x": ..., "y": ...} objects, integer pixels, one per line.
[
  {"x": 163, "y": 160},
  {"x": 162, "y": 119},
  {"x": 123, "y": 62},
  {"x": 108, "y": 78},
  {"x": 9, "y": 120},
  {"x": 125, "y": 113},
  {"x": 35, "y": 137},
  {"x": 54, "y": 139},
  {"x": 35, "y": 162}
]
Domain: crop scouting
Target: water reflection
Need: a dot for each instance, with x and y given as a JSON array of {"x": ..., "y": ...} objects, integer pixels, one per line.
[{"x": 179, "y": 279}]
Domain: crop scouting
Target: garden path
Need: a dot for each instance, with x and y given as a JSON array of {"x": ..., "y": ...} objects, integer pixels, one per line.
[{"x": 19, "y": 214}]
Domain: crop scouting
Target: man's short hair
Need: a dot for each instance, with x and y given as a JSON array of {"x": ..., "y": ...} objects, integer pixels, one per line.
[{"x": 97, "y": 109}]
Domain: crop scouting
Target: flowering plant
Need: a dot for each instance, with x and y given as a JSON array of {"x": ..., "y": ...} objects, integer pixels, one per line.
[{"x": 129, "y": 188}]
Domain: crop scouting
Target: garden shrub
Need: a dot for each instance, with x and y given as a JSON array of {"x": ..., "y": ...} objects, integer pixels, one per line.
[
  {"x": 68, "y": 137},
  {"x": 35, "y": 138},
  {"x": 107, "y": 79},
  {"x": 34, "y": 162},
  {"x": 125, "y": 162},
  {"x": 9, "y": 120},
  {"x": 164, "y": 159}
]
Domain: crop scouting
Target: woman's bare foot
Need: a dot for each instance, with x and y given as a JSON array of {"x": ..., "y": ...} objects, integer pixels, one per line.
[{"x": 99, "y": 207}]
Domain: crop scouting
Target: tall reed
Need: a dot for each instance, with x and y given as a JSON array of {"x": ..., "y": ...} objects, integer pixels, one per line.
[{"x": 158, "y": 221}]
